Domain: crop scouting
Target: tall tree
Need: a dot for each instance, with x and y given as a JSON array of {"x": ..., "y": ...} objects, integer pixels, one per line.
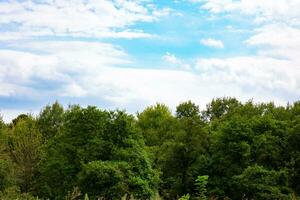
[
  {"x": 294, "y": 148},
  {"x": 50, "y": 120},
  {"x": 158, "y": 126},
  {"x": 100, "y": 151},
  {"x": 181, "y": 157},
  {"x": 24, "y": 145}
]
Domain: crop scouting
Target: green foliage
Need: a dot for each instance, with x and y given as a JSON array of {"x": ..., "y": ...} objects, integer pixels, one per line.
[
  {"x": 187, "y": 109},
  {"x": 50, "y": 120},
  {"x": 219, "y": 108},
  {"x": 201, "y": 183},
  {"x": 100, "y": 151},
  {"x": 248, "y": 151},
  {"x": 105, "y": 179},
  {"x": 157, "y": 124},
  {"x": 20, "y": 117},
  {"x": 6, "y": 174},
  {"x": 257, "y": 182},
  {"x": 24, "y": 144},
  {"x": 14, "y": 193},
  {"x": 185, "y": 197},
  {"x": 294, "y": 152},
  {"x": 180, "y": 156}
]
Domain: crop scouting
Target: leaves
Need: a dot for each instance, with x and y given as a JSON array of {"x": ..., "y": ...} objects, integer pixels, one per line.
[{"x": 230, "y": 150}]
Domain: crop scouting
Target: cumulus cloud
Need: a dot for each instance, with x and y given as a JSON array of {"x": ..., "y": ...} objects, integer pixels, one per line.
[
  {"x": 261, "y": 74},
  {"x": 277, "y": 40},
  {"x": 45, "y": 52},
  {"x": 210, "y": 42},
  {"x": 56, "y": 61},
  {"x": 32, "y": 67},
  {"x": 274, "y": 69},
  {"x": 88, "y": 69}
]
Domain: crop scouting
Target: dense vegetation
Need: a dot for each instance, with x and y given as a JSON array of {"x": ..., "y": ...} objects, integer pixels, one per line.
[{"x": 230, "y": 150}]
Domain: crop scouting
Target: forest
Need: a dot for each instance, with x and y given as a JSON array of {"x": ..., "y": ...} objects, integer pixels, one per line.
[{"x": 228, "y": 150}]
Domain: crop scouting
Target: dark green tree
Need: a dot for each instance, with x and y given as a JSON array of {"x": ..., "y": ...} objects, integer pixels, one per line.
[
  {"x": 219, "y": 108},
  {"x": 294, "y": 149},
  {"x": 93, "y": 140},
  {"x": 182, "y": 157},
  {"x": 257, "y": 182}
]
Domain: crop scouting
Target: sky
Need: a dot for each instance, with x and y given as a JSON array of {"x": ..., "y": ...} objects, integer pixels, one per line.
[{"x": 129, "y": 54}]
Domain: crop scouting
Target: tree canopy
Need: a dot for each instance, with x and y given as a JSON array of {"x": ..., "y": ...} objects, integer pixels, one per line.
[{"x": 229, "y": 150}]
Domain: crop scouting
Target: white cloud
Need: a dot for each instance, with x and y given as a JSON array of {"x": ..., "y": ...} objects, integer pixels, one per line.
[
  {"x": 274, "y": 70},
  {"x": 277, "y": 40},
  {"x": 56, "y": 62},
  {"x": 99, "y": 70},
  {"x": 210, "y": 42},
  {"x": 172, "y": 59},
  {"x": 263, "y": 11},
  {"x": 85, "y": 69},
  {"x": 80, "y": 18},
  {"x": 262, "y": 74}
]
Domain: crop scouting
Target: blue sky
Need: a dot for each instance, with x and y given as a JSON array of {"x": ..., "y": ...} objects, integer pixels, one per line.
[{"x": 129, "y": 54}]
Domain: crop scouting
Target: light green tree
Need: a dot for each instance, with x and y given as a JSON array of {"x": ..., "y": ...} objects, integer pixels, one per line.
[{"x": 24, "y": 145}]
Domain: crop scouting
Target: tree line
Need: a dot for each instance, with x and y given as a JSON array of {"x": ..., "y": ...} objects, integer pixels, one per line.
[{"x": 229, "y": 150}]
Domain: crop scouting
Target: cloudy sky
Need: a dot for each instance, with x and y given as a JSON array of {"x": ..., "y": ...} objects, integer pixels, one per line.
[{"x": 128, "y": 54}]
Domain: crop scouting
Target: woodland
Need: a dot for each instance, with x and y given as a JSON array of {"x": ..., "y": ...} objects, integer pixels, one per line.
[{"x": 229, "y": 150}]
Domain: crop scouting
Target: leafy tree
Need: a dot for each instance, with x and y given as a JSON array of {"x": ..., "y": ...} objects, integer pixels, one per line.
[
  {"x": 128, "y": 163},
  {"x": 7, "y": 177},
  {"x": 179, "y": 159},
  {"x": 24, "y": 144},
  {"x": 230, "y": 154},
  {"x": 187, "y": 110},
  {"x": 294, "y": 151},
  {"x": 157, "y": 124},
  {"x": 50, "y": 120},
  {"x": 91, "y": 143},
  {"x": 248, "y": 151},
  {"x": 219, "y": 108},
  {"x": 257, "y": 182},
  {"x": 7, "y": 174},
  {"x": 19, "y": 118}
]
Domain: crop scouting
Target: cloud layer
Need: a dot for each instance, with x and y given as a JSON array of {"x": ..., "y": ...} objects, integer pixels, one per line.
[
  {"x": 92, "y": 18},
  {"x": 74, "y": 51}
]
